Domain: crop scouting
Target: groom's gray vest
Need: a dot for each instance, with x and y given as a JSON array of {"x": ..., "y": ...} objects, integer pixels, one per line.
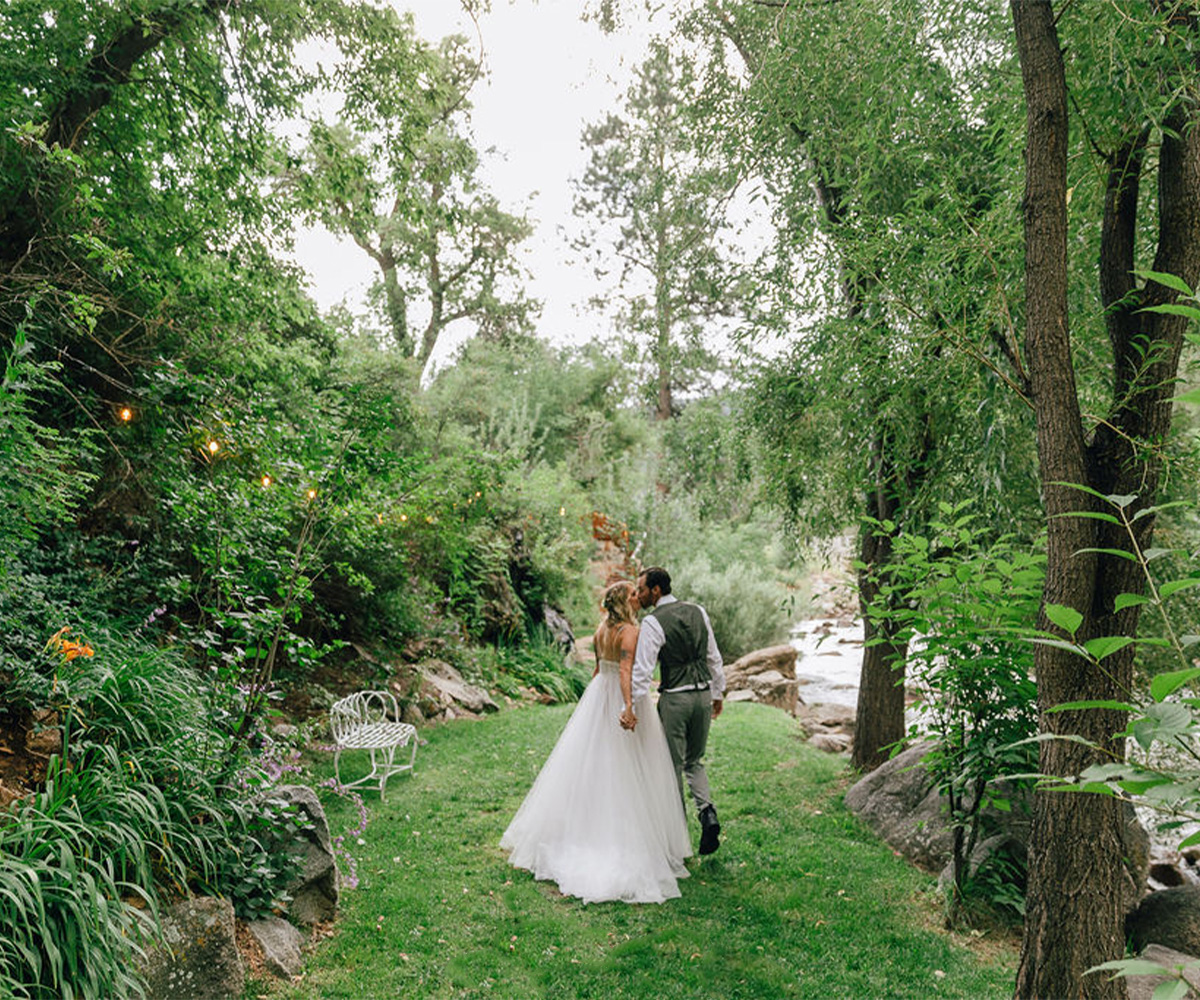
[{"x": 683, "y": 659}]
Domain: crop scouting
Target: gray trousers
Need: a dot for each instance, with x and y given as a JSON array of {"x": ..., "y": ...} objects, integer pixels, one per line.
[{"x": 686, "y": 716}]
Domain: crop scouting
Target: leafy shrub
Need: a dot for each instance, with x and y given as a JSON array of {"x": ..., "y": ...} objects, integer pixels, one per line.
[
  {"x": 539, "y": 663},
  {"x": 962, "y": 600},
  {"x": 747, "y": 611},
  {"x": 254, "y": 870}
]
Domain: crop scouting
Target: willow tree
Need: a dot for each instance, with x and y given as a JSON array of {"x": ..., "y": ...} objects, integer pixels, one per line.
[
  {"x": 887, "y": 179},
  {"x": 1138, "y": 127}
]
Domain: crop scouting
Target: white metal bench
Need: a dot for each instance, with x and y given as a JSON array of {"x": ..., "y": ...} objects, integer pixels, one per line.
[{"x": 365, "y": 721}]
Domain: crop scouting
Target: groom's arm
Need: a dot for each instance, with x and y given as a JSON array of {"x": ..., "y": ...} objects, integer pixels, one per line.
[
  {"x": 650, "y": 640},
  {"x": 716, "y": 667}
]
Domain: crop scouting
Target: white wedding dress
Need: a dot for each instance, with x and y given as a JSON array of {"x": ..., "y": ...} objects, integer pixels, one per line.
[{"x": 604, "y": 819}]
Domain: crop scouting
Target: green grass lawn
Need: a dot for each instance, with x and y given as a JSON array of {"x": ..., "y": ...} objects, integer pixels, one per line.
[{"x": 800, "y": 901}]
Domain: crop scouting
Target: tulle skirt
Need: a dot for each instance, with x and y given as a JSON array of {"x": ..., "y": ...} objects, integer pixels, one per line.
[{"x": 605, "y": 819}]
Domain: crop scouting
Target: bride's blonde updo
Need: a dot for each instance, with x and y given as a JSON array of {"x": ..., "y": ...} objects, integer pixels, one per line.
[{"x": 617, "y": 604}]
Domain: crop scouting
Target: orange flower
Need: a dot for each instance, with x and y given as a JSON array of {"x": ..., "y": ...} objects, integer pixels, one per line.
[{"x": 68, "y": 648}]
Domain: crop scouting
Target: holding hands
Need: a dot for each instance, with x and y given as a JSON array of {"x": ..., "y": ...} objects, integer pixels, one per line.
[{"x": 628, "y": 719}]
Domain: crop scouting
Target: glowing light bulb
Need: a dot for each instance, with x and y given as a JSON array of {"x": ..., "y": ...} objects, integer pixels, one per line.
[
  {"x": 403, "y": 517},
  {"x": 266, "y": 480},
  {"x": 213, "y": 447},
  {"x": 126, "y": 414},
  {"x": 562, "y": 511},
  {"x": 312, "y": 494}
]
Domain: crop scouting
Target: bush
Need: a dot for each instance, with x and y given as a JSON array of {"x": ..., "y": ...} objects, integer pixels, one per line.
[
  {"x": 130, "y": 813},
  {"x": 747, "y": 611}
]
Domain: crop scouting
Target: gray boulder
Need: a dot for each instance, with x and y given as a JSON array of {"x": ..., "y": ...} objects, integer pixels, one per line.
[
  {"x": 777, "y": 658},
  {"x": 559, "y": 628},
  {"x": 1142, "y": 987},
  {"x": 448, "y": 687},
  {"x": 197, "y": 957},
  {"x": 767, "y": 676},
  {"x": 315, "y": 890},
  {"x": 830, "y": 742},
  {"x": 281, "y": 943},
  {"x": 898, "y": 801},
  {"x": 772, "y": 688}
]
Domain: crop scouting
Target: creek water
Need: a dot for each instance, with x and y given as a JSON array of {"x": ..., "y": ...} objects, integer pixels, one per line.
[{"x": 828, "y": 659}]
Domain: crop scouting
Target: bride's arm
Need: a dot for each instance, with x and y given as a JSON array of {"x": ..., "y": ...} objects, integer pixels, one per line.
[
  {"x": 596, "y": 652},
  {"x": 629, "y": 636}
]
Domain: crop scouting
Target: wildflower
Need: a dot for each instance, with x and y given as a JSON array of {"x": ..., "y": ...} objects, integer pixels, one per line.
[{"x": 68, "y": 649}]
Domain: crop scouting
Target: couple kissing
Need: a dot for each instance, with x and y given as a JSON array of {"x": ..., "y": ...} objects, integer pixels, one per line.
[{"x": 605, "y": 817}]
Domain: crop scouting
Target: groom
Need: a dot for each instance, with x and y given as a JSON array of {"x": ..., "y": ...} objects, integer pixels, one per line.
[{"x": 678, "y": 637}]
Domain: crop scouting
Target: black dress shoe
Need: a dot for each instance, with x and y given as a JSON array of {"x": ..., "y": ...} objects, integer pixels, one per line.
[{"x": 710, "y": 830}]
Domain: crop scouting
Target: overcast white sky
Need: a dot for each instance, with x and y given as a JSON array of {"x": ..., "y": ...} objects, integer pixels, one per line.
[{"x": 549, "y": 73}]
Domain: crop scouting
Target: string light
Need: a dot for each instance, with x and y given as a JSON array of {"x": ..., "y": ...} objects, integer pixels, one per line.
[
  {"x": 266, "y": 480},
  {"x": 312, "y": 494},
  {"x": 126, "y": 414},
  {"x": 562, "y": 511},
  {"x": 403, "y": 517},
  {"x": 213, "y": 447}
]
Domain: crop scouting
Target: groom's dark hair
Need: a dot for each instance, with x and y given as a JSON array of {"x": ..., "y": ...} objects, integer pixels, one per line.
[{"x": 658, "y": 577}]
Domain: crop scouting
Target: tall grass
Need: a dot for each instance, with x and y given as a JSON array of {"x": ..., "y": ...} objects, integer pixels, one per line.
[{"x": 126, "y": 815}]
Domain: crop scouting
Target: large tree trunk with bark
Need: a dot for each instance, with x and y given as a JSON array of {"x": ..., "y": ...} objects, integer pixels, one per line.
[
  {"x": 1079, "y": 890},
  {"x": 879, "y": 715}
]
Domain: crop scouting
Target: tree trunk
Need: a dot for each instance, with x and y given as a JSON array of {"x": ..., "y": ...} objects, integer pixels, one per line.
[
  {"x": 397, "y": 307},
  {"x": 879, "y": 715},
  {"x": 1078, "y": 888}
]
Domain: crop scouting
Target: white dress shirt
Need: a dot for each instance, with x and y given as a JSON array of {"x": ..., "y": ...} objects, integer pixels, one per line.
[{"x": 650, "y": 641}]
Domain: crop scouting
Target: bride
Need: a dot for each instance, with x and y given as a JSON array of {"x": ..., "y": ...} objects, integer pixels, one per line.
[{"x": 604, "y": 819}]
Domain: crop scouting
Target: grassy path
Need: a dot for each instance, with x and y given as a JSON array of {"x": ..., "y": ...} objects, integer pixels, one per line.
[{"x": 801, "y": 900}]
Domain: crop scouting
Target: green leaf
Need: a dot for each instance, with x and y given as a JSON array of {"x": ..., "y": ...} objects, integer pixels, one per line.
[
  {"x": 1156, "y": 553},
  {"x": 1165, "y": 684},
  {"x": 1132, "y": 967},
  {"x": 1106, "y": 645},
  {"x": 1166, "y": 279},
  {"x": 1063, "y": 644},
  {"x": 1110, "y": 552},
  {"x": 1068, "y": 619},
  {"x": 1124, "y": 601},
  {"x": 1075, "y": 706},
  {"x": 1173, "y": 309},
  {"x": 1094, "y": 514},
  {"x": 1121, "y": 499},
  {"x": 1172, "y": 989},
  {"x": 1174, "y": 586},
  {"x": 1189, "y": 840},
  {"x": 1081, "y": 488},
  {"x": 1136, "y": 786}
]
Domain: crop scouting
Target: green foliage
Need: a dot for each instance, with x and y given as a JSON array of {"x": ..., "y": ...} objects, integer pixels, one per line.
[
  {"x": 961, "y": 598},
  {"x": 538, "y": 664},
  {"x": 128, "y": 812},
  {"x": 43, "y": 478},
  {"x": 254, "y": 871},
  {"x": 1163, "y": 720}
]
